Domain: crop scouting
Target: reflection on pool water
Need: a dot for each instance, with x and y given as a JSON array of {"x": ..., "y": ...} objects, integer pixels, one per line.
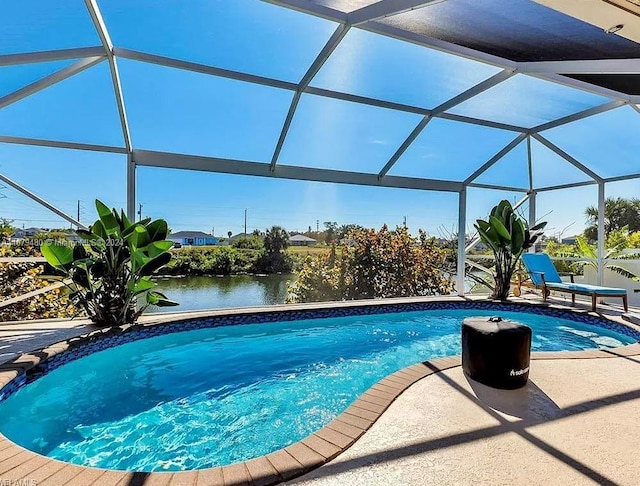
[{"x": 210, "y": 397}]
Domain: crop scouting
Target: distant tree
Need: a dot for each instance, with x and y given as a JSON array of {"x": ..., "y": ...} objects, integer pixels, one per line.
[
  {"x": 330, "y": 234},
  {"x": 618, "y": 213},
  {"x": 344, "y": 230},
  {"x": 379, "y": 264},
  {"x": 274, "y": 259},
  {"x": 276, "y": 240},
  {"x": 251, "y": 242},
  {"x": 6, "y": 228}
]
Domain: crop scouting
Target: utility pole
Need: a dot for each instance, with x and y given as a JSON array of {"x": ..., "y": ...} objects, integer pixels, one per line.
[
  {"x": 405, "y": 222},
  {"x": 140, "y": 212},
  {"x": 78, "y": 219},
  {"x": 317, "y": 226},
  {"x": 245, "y": 221},
  {"x": 213, "y": 231}
]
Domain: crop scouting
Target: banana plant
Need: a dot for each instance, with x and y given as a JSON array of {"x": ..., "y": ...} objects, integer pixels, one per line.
[
  {"x": 508, "y": 236},
  {"x": 112, "y": 268},
  {"x": 590, "y": 255}
]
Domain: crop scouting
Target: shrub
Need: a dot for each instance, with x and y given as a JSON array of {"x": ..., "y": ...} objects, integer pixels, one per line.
[
  {"x": 377, "y": 264},
  {"x": 252, "y": 242}
]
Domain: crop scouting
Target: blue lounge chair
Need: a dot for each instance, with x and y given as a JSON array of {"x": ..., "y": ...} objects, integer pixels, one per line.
[{"x": 545, "y": 276}]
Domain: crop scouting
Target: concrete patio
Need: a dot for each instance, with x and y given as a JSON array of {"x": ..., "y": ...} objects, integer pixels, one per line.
[{"x": 575, "y": 423}]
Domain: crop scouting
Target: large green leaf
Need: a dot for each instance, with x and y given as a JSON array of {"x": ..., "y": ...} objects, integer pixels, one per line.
[
  {"x": 139, "y": 237},
  {"x": 500, "y": 229},
  {"x": 155, "y": 264},
  {"x": 157, "y": 230},
  {"x": 159, "y": 299},
  {"x": 108, "y": 218},
  {"x": 140, "y": 286},
  {"x": 584, "y": 248},
  {"x": 517, "y": 237},
  {"x": 99, "y": 230},
  {"x": 58, "y": 256},
  {"x": 539, "y": 226},
  {"x": 157, "y": 248},
  {"x": 486, "y": 239}
]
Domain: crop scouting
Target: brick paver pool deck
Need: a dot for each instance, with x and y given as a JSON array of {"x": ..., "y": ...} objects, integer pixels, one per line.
[{"x": 574, "y": 423}]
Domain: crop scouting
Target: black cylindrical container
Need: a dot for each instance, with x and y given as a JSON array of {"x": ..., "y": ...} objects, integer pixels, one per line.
[{"x": 496, "y": 352}]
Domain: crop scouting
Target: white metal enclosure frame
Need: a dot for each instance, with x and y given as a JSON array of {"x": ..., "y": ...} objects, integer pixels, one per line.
[{"x": 366, "y": 18}]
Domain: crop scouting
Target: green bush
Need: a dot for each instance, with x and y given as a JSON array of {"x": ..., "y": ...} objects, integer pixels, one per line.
[
  {"x": 376, "y": 264},
  {"x": 252, "y": 242}
]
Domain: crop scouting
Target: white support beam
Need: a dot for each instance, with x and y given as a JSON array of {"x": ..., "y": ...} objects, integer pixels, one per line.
[
  {"x": 495, "y": 187},
  {"x": 600, "y": 66},
  {"x": 262, "y": 169},
  {"x": 47, "y": 56},
  {"x": 484, "y": 123},
  {"x": 438, "y": 110},
  {"x": 474, "y": 91},
  {"x": 60, "y": 144},
  {"x": 202, "y": 68},
  {"x": 317, "y": 64},
  {"x": 50, "y": 80},
  {"x": 481, "y": 170},
  {"x": 529, "y": 163},
  {"x": 277, "y": 83},
  {"x": 601, "y": 236},
  {"x": 385, "y": 8},
  {"x": 566, "y": 186},
  {"x": 285, "y": 128},
  {"x": 405, "y": 145},
  {"x": 532, "y": 214},
  {"x": 462, "y": 240},
  {"x": 596, "y": 110},
  {"x": 131, "y": 188},
  {"x": 567, "y": 157},
  {"x": 41, "y": 201},
  {"x": 582, "y": 86},
  {"x": 101, "y": 28}
]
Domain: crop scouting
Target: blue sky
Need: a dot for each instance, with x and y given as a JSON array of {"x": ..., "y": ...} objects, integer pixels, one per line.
[{"x": 179, "y": 111}]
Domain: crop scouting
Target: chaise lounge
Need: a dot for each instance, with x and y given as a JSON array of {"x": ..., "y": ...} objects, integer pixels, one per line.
[{"x": 545, "y": 276}]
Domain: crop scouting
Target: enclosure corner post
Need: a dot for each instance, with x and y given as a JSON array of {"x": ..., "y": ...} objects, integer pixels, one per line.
[
  {"x": 532, "y": 214},
  {"x": 462, "y": 224},
  {"x": 131, "y": 188},
  {"x": 601, "y": 236}
]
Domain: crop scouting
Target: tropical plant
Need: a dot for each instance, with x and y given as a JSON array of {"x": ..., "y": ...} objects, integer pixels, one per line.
[
  {"x": 590, "y": 256},
  {"x": 107, "y": 275},
  {"x": 273, "y": 258},
  {"x": 508, "y": 236}
]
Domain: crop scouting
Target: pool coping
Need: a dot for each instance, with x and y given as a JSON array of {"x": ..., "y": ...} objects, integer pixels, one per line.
[{"x": 320, "y": 447}]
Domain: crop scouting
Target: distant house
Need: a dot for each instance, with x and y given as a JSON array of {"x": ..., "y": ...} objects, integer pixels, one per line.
[
  {"x": 193, "y": 238},
  {"x": 569, "y": 240},
  {"x": 238, "y": 236},
  {"x": 28, "y": 232},
  {"x": 301, "y": 240}
]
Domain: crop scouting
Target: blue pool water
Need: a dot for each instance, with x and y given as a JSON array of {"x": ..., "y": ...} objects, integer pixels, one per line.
[{"x": 210, "y": 397}]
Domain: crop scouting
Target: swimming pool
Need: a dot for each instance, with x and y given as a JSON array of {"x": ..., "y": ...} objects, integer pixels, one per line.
[{"x": 218, "y": 395}]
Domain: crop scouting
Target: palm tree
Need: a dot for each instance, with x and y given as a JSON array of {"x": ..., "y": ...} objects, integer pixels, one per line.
[
  {"x": 618, "y": 213},
  {"x": 276, "y": 240}
]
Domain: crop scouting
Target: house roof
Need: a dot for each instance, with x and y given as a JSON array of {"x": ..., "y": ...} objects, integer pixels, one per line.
[
  {"x": 301, "y": 238},
  {"x": 189, "y": 234}
]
